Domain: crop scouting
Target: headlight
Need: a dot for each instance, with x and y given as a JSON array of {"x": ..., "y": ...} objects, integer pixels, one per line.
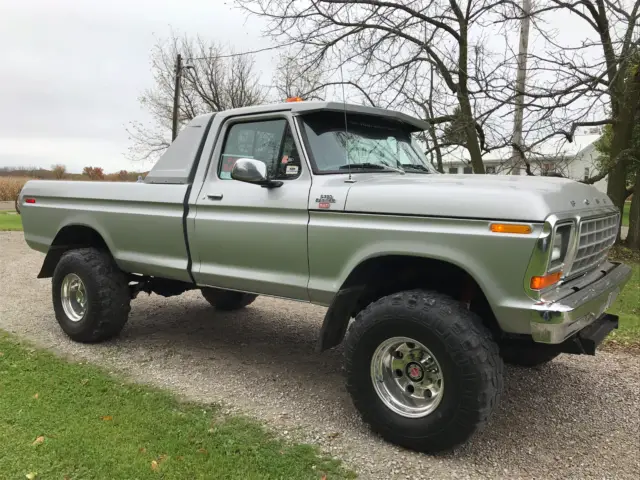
[{"x": 560, "y": 246}]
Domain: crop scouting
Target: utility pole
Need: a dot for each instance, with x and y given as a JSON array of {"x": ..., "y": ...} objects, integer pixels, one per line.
[
  {"x": 517, "y": 158},
  {"x": 176, "y": 98}
]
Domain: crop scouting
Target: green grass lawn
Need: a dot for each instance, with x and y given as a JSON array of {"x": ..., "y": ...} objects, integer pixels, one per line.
[
  {"x": 625, "y": 214},
  {"x": 69, "y": 421},
  {"x": 627, "y": 305},
  {"x": 10, "y": 221}
]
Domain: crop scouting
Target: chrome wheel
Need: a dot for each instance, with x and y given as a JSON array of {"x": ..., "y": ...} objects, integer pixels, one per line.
[
  {"x": 74, "y": 297},
  {"x": 407, "y": 377}
]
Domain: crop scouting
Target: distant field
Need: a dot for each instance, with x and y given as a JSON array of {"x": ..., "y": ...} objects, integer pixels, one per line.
[{"x": 10, "y": 187}]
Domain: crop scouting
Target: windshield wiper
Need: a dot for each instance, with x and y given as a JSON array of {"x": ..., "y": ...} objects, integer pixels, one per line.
[
  {"x": 414, "y": 166},
  {"x": 370, "y": 166}
]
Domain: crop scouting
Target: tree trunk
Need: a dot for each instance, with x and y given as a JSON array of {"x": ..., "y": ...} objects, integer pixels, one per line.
[
  {"x": 473, "y": 145},
  {"x": 621, "y": 142},
  {"x": 462, "y": 92},
  {"x": 633, "y": 237}
]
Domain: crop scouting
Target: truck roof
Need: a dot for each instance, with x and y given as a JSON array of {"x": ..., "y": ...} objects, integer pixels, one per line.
[
  {"x": 318, "y": 105},
  {"x": 176, "y": 164}
]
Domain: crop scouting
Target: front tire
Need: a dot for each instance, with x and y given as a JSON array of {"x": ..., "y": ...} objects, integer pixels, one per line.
[
  {"x": 227, "y": 300},
  {"x": 422, "y": 370},
  {"x": 91, "y": 297}
]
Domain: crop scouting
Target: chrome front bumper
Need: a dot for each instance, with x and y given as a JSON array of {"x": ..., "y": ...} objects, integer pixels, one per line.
[{"x": 576, "y": 305}]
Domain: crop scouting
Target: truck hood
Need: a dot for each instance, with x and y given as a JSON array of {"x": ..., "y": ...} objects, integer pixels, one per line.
[{"x": 500, "y": 197}]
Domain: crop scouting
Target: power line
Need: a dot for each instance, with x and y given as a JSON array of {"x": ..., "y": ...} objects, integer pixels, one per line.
[{"x": 251, "y": 52}]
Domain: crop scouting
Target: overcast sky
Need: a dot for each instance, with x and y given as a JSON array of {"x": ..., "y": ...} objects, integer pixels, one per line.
[{"x": 71, "y": 72}]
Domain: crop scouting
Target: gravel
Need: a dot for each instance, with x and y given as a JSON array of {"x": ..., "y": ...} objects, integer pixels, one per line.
[{"x": 577, "y": 417}]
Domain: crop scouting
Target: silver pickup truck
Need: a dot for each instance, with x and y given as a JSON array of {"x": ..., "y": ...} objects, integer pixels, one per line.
[{"x": 445, "y": 277}]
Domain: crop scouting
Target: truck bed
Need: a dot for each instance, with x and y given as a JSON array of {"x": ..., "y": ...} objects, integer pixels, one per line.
[{"x": 142, "y": 224}]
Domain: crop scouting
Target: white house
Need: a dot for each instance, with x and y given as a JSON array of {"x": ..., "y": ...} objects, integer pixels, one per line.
[{"x": 576, "y": 160}]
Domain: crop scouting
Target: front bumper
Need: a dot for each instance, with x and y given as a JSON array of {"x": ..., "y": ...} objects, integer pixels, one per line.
[{"x": 578, "y": 305}]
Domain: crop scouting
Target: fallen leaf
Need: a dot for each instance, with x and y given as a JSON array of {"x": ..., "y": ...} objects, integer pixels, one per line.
[
  {"x": 333, "y": 435},
  {"x": 32, "y": 475},
  {"x": 84, "y": 381},
  {"x": 202, "y": 450},
  {"x": 106, "y": 418},
  {"x": 1, "y": 354},
  {"x": 36, "y": 396},
  {"x": 162, "y": 458},
  {"x": 66, "y": 477},
  {"x": 38, "y": 440},
  {"x": 142, "y": 450},
  {"x": 154, "y": 465},
  {"x": 324, "y": 477}
]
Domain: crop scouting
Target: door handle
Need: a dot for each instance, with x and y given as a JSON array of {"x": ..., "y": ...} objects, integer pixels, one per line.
[{"x": 217, "y": 196}]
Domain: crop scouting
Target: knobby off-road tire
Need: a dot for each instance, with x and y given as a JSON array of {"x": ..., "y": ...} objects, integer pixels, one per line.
[
  {"x": 227, "y": 300},
  {"x": 103, "y": 288},
  {"x": 527, "y": 355},
  {"x": 468, "y": 357}
]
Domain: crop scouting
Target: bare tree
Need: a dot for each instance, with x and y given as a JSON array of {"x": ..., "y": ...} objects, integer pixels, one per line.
[
  {"x": 389, "y": 48},
  {"x": 212, "y": 80},
  {"x": 588, "y": 81},
  {"x": 59, "y": 171},
  {"x": 293, "y": 79}
]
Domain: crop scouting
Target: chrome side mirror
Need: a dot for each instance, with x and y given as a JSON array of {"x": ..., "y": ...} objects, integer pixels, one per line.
[
  {"x": 249, "y": 170},
  {"x": 254, "y": 171}
]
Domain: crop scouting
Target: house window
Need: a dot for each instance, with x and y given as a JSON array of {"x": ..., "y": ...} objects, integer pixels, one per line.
[
  {"x": 491, "y": 170},
  {"x": 548, "y": 168},
  {"x": 453, "y": 169},
  {"x": 468, "y": 170},
  {"x": 586, "y": 173}
]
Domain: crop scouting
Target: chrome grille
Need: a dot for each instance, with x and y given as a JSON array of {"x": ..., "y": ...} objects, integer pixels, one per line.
[{"x": 596, "y": 237}]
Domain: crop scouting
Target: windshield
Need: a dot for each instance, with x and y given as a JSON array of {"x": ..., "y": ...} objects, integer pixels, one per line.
[{"x": 371, "y": 143}]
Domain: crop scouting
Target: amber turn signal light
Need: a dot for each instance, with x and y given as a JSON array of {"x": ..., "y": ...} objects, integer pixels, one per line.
[
  {"x": 294, "y": 99},
  {"x": 510, "y": 228},
  {"x": 540, "y": 283}
]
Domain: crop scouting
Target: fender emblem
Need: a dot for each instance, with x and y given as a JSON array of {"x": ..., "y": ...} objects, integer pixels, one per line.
[{"x": 325, "y": 201}]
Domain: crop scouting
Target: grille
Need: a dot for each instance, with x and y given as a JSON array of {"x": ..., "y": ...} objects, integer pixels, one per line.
[{"x": 597, "y": 235}]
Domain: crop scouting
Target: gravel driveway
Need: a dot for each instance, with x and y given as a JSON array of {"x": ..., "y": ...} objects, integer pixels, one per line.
[{"x": 578, "y": 417}]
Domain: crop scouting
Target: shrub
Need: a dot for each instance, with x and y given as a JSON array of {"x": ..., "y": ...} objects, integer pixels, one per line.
[{"x": 94, "y": 173}]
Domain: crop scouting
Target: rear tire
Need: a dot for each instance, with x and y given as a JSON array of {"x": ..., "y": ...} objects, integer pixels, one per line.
[
  {"x": 227, "y": 300},
  {"x": 461, "y": 356},
  {"x": 91, "y": 297},
  {"x": 527, "y": 355}
]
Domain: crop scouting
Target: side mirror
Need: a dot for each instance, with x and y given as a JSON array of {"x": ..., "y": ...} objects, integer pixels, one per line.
[{"x": 254, "y": 171}]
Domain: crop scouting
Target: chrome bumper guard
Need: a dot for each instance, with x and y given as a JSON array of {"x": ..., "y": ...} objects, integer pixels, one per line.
[{"x": 554, "y": 321}]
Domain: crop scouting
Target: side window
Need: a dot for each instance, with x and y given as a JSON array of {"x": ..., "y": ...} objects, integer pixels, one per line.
[{"x": 269, "y": 141}]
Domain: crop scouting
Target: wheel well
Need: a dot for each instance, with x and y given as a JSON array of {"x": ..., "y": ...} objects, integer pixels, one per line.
[
  {"x": 381, "y": 276},
  {"x": 68, "y": 238}
]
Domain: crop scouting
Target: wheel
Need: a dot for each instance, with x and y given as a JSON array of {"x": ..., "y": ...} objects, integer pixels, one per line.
[
  {"x": 227, "y": 300},
  {"x": 527, "y": 355},
  {"x": 422, "y": 370},
  {"x": 17, "y": 205},
  {"x": 91, "y": 297}
]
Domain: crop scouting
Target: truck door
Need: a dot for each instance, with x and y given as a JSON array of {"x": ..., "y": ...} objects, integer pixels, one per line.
[{"x": 248, "y": 237}]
